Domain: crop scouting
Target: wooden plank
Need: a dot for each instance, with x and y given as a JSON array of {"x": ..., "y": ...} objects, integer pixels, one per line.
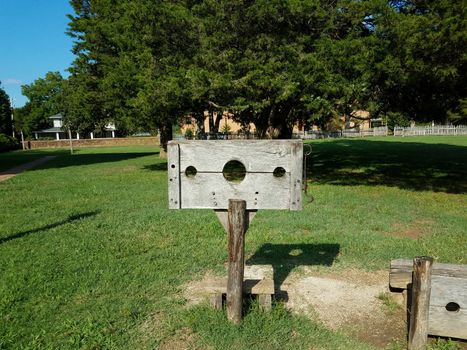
[
  {"x": 256, "y": 155},
  {"x": 421, "y": 290},
  {"x": 237, "y": 228},
  {"x": 216, "y": 301},
  {"x": 447, "y": 324},
  {"x": 296, "y": 176},
  {"x": 250, "y": 286},
  {"x": 400, "y": 274},
  {"x": 445, "y": 290},
  {"x": 173, "y": 170},
  {"x": 265, "y": 301},
  {"x": 212, "y": 191}
]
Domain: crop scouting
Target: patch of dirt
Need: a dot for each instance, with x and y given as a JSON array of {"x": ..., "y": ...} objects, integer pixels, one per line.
[
  {"x": 414, "y": 230},
  {"x": 345, "y": 300}
]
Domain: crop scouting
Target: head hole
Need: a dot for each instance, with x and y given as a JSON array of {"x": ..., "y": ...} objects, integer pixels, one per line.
[
  {"x": 279, "y": 172},
  {"x": 234, "y": 171},
  {"x": 190, "y": 171}
]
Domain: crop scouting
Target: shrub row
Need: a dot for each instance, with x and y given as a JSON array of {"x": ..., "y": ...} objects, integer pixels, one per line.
[{"x": 8, "y": 143}]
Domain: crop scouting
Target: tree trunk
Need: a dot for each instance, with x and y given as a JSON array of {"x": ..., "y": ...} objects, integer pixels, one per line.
[
  {"x": 165, "y": 136},
  {"x": 211, "y": 122},
  {"x": 199, "y": 118},
  {"x": 218, "y": 121}
]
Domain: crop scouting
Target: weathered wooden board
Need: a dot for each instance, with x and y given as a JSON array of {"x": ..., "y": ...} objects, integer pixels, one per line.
[
  {"x": 258, "y": 279},
  {"x": 250, "y": 286},
  {"x": 400, "y": 274},
  {"x": 173, "y": 171},
  {"x": 260, "y": 188},
  {"x": 211, "y": 190},
  {"x": 442, "y": 322},
  {"x": 448, "y": 285}
]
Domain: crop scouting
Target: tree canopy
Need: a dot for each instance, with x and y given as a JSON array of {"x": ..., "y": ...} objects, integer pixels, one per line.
[
  {"x": 45, "y": 97},
  {"x": 5, "y": 113},
  {"x": 145, "y": 64}
]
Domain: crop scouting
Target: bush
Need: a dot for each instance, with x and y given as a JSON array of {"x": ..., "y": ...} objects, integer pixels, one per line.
[
  {"x": 189, "y": 134},
  {"x": 394, "y": 119},
  {"x": 8, "y": 143}
]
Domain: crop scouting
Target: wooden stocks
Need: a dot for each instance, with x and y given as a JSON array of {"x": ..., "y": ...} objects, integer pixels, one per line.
[
  {"x": 238, "y": 223},
  {"x": 421, "y": 290}
]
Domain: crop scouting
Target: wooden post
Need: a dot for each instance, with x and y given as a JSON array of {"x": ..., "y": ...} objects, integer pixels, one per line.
[
  {"x": 71, "y": 141},
  {"x": 421, "y": 290},
  {"x": 237, "y": 227}
]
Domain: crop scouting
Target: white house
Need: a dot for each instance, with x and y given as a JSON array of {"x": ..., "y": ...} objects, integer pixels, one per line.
[{"x": 59, "y": 133}]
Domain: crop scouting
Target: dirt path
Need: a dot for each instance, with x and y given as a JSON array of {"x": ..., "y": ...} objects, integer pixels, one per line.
[{"x": 23, "y": 167}]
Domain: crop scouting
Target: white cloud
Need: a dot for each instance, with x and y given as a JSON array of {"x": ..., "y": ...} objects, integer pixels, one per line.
[{"x": 11, "y": 81}]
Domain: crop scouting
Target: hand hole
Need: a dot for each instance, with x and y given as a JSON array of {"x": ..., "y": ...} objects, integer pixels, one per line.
[
  {"x": 452, "y": 307},
  {"x": 190, "y": 171},
  {"x": 279, "y": 172}
]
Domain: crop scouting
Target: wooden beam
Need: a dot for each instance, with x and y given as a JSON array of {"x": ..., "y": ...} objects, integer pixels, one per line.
[
  {"x": 173, "y": 170},
  {"x": 400, "y": 274}
]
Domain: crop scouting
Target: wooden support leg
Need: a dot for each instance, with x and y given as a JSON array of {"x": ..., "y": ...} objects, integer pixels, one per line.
[
  {"x": 421, "y": 290},
  {"x": 237, "y": 227},
  {"x": 216, "y": 301},
  {"x": 265, "y": 301}
]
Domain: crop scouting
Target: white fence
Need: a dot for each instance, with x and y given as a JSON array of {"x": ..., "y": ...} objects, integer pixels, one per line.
[
  {"x": 313, "y": 134},
  {"x": 431, "y": 130}
]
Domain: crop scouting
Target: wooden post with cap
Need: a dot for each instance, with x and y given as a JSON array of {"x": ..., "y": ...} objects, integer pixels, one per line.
[{"x": 421, "y": 291}]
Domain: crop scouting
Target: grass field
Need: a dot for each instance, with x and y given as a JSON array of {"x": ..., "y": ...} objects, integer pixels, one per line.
[{"x": 91, "y": 258}]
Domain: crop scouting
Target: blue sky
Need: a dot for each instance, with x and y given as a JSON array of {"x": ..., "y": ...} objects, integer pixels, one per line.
[{"x": 33, "y": 42}]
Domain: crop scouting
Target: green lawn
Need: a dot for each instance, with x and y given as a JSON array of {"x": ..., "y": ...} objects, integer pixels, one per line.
[{"x": 91, "y": 258}]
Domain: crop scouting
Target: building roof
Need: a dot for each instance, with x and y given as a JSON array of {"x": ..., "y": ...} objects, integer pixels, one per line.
[
  {"x": 50, "y": 130},
  {"x": 56, "y": 116}
]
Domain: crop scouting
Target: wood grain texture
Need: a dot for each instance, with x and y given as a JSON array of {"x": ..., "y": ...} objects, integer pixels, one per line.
[
  {"x": 173, "y": 171},
  {"x": 250, "y": 286},
  {"x": 216, "y": 301},
  {"x": 223, "y": 217},
  {"x": 237, "y": 217},
  {"x": 400, "y": 274},
  {"x": 421, "y": 290},
  {"x": 296, "y": 176},
  {"x": 448, "y": 284},
  {"x": 208, "y": 189},
  {"x": 265, "y": 301},
  {"x": 212, "y": 191},
  {"x": 444, "y": 290}
]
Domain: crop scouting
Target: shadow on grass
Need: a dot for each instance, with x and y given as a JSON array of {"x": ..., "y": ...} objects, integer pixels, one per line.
[
  {"x": 156, "y": 167},
  {"x": 407, "y": 165},
  {"x": 285, "y": 257},
  {"x": 69, "y": 219},
  {"x": 79, "y": 159}
]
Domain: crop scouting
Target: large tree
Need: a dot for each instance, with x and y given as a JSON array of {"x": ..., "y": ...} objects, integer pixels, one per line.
[
  {"x": 144, "y": 63},
  {"x": 45, "y": 98},
  {"x": 6, "y": 126}
]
